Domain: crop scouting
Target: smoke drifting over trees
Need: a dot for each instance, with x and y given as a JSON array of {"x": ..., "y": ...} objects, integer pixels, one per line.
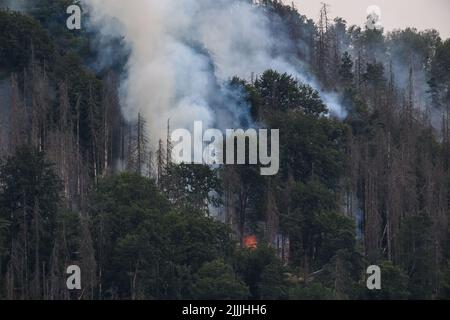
[
  {"x": 184, "y": 52},
  {"x": 86, "y": 176}
]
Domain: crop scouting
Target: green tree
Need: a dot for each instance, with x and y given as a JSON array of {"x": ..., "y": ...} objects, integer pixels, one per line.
[
  {"x": 311, "y": 291},
  {"x": 346, "y": 70},
  {"x": 192, "y": 186},
  {"x": 21, "y": 39},
  {"x": 147, "y": 248},
  {"x": 417, "y": 255},
  {"x": 216, "y": 280},
  {"x": 281, "y": 92},
  {"x": 30, "y": 195},
  {"x": 262, "y": 271},
  {"x": 394, "y": 283}
]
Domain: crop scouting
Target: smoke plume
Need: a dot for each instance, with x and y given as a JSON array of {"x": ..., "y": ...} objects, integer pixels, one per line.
[{"x": 182, "y": 52}]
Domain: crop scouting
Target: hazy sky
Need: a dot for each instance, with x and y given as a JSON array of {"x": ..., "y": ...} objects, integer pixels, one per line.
[{"x": 422, "y": 14}]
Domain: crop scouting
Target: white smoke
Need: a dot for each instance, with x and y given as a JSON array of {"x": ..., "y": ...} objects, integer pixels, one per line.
[{"x": 182, "y": 53}]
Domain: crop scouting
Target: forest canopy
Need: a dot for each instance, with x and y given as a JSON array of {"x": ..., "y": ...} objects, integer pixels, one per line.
[{"x": 83, "y": 184}]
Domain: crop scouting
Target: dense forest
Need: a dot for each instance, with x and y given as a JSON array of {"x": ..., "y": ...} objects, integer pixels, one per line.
[{"x": 81, "y": 184}]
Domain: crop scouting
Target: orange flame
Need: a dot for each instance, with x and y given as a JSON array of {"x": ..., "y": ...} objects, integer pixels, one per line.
[{"x": 250, "y": 242}]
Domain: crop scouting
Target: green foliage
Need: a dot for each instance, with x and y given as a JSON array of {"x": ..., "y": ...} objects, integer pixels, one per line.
[
  {"x": 262, "y": 272},
  {"x": 312, "y": 162},
  {"x": 145, "y": 247},
  {"x": 374, "y": 74},
  {"x": 52, "y": 16},
  {"x": 30, "y": 198},
  {"x": 216, "y": 280},
  {"x": 157, "y": 242},
  {"x": 394, "y": 285},
  {"x": 313, "y": 291},
  {"x": 343, "y": 274},
  {"x": 417, "y": 255},
  {"x": 337, "y": 232},
  {"x": 24, "y": 44},
  {"x": 21, "y": 39},
  {"x": 422, "y": 43},
  {"x": 311, "y": 147},
  {"x": 27, "y": 179},
  {"x": 281, "y": 92},
  {"x": 306, "y": 220},
  {"x": 273, "y": 285},
  {"x": 195, "y": 239},
  {"x": 192, "y": 186},
  {"x": 346, "y": 69},
  {"x": 373, "y": 40},
  {"x": 440, "y": 75}
]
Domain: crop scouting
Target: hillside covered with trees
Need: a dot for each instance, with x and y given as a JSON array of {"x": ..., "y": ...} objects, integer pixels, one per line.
[{"x": 80, "y": 184}]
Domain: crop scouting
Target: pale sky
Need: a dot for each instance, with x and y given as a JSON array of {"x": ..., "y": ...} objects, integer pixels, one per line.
[{"x": 421, "y": 14}]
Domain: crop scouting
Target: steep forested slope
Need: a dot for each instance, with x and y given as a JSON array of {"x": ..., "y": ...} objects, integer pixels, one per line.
[{"x": 81, "y": 185}]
